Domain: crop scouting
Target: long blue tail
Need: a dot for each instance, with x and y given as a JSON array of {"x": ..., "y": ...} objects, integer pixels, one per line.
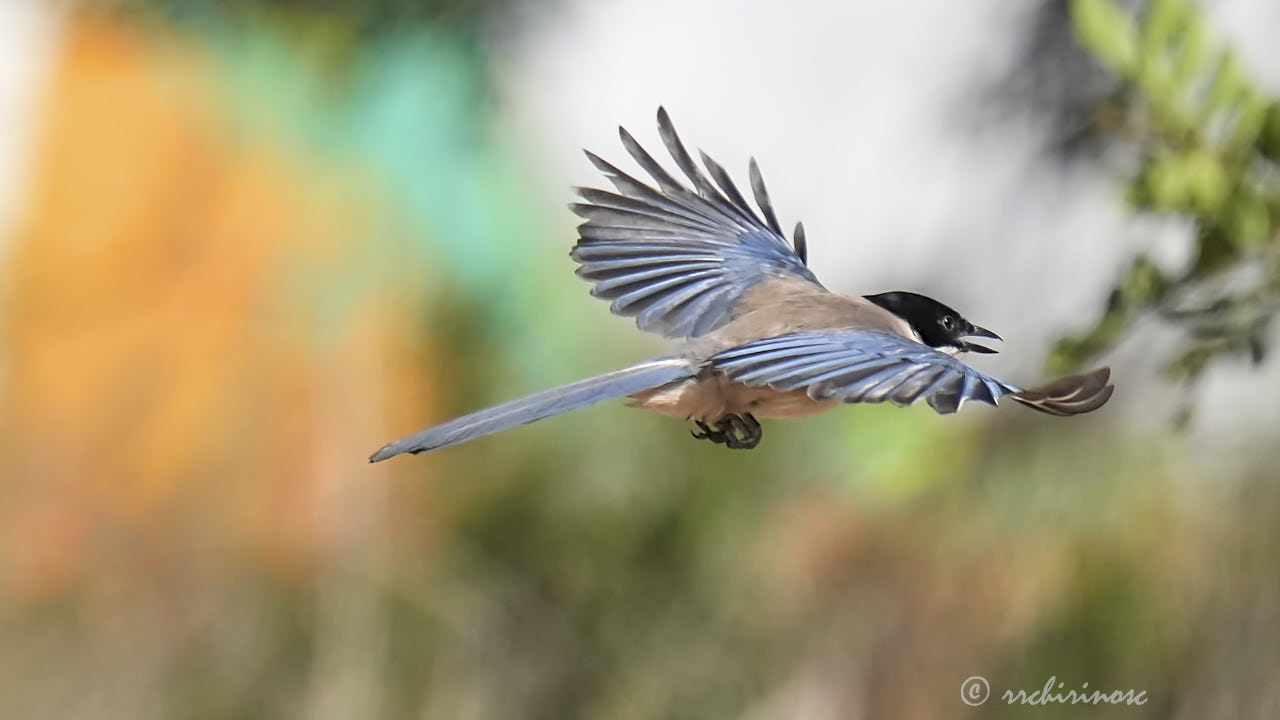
[{"x": 616, "y": 384}]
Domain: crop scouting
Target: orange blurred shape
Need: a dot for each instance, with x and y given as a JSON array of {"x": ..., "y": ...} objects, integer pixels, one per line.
[{"x": 159, "y": 385}]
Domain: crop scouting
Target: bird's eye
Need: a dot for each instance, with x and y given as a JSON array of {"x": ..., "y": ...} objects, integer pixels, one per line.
[{"x": 948, "y": 322}]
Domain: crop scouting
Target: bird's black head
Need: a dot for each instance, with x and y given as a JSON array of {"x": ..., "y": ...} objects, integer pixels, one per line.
[{"x": 937, "y": 325}]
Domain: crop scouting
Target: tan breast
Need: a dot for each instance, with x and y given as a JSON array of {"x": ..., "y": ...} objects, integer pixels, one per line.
[
  {"x": 712, "y": 397},
  {"x": 773, "y": 307}
]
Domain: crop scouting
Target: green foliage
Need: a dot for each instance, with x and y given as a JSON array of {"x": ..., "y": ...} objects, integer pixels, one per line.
[
  {"x": 367, "y": 18},
  {"x": 1109, "y": 33},
  {"x": 1209, "y": 142}
]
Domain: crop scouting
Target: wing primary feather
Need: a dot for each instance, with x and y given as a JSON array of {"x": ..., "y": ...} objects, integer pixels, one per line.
[
  {"x": 889, "y": 385},
  {"x": 676, "y": 196},
  {"x": 798, "y": 242},
  {"x": 947, "y": 375},
  {"x": 853, "y": 371},
  {"x": 762, "y": 197},
  {"x": 912, "y": 388},
  {"x": 605, "y": 198},
  {"x": 725, "y": 182},
  {"x": 648, "y": 289},
  {"x": 642, "y": 157},
  {"x": 591, "y": 251},
  {"x": 996, "y": 388},
  {"x": 787, "y": 369},
  {"x": 685, "y": 161},
  {"x": 762, "y": 348},
  {"x": 605, "y": 268},
  {"x": 764, "y": 357},
  {"x": 686, "y": 270},
  {"x": 967, "y": 382},
  {"x": 608, "y": 216},
  {"x": 864, "y": 389}
]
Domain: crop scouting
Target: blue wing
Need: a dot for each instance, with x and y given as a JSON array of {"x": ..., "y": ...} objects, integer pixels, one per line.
[
  {"x": 860, "y": 366},
  {"x": 679, "y": 259}
]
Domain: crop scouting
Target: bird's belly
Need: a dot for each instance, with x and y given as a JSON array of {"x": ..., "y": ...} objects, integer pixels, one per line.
[{"x": 710, "y": 398}]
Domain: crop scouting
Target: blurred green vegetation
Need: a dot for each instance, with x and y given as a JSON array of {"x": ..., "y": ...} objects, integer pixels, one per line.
[
  {"x": 364, "y": 18},
  {"x": 1208, "y": 142}
]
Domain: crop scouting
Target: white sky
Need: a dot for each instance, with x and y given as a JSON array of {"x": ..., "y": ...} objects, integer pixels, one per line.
[{"x": 28, "y": 34}]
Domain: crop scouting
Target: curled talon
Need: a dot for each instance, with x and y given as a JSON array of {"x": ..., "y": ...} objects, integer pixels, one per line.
[{"x": 716, "y": 435}]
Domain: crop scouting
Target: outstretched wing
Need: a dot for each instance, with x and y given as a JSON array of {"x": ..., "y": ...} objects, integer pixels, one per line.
[
  {"x": 867, "y": 366},
  {"x": 675, "y": 258}
]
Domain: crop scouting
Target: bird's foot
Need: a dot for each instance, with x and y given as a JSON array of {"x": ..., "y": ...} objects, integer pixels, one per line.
[
  {"x": 742, "y": 432},
  {"x": 737, "y": 432},
  {"x": 715, "y": 435}
]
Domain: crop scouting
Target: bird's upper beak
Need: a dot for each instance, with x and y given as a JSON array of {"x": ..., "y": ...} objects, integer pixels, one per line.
[{"x": 975, "y": 331}]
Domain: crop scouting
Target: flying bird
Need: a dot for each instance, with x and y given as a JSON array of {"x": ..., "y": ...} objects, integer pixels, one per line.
[{"x": 759, "y": 336}]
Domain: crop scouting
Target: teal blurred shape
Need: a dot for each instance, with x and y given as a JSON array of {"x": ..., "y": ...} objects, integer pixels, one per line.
[{"x": 410, "y": 113}]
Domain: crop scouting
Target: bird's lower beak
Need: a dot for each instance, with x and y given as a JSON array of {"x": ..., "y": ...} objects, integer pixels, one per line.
[{"x": 975, "y": 331}]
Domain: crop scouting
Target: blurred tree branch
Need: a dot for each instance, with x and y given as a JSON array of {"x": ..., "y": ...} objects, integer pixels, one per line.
[{"x": 1209, "y": 142}]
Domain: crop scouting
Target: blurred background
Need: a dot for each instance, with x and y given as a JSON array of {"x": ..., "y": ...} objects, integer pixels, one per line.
[{"x": 243, "y": 244}]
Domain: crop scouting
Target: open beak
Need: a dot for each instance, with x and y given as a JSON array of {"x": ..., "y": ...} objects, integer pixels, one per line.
[{"x": 975, "y": 331}]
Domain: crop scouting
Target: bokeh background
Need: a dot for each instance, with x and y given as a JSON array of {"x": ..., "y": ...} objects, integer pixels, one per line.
[{"x": 242, "y": 244}]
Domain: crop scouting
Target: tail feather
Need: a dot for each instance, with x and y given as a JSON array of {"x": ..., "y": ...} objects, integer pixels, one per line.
[
  {"x": 616, "y": 384},
  {"x": 1071, "y": 395}
]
